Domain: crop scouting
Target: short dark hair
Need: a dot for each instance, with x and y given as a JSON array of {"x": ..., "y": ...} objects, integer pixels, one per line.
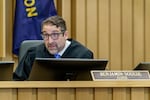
[{"x": 55, "y": 20}]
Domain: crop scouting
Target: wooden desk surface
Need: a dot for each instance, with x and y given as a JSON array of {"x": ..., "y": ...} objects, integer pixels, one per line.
[{"x": 74, "y": 84}]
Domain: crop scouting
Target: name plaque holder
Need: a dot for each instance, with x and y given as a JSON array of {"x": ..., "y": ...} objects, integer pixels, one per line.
[{"x": 120, "y": 75}]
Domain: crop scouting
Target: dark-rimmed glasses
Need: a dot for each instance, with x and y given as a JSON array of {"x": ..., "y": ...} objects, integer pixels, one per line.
[{"x": 53, "y": 36}]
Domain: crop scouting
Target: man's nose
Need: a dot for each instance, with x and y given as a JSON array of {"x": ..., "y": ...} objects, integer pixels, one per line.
[{"x": 50, "y": 40}]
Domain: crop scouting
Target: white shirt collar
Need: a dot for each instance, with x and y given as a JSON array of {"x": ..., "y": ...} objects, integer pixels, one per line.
[{"x": 67, "y": 44}]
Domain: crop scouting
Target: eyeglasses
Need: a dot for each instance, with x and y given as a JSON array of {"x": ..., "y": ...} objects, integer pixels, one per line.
[{"x": 53, "y": 36}]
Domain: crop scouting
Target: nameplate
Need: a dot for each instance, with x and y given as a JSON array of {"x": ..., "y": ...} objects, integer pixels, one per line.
[{"x": 119, "y": 75}]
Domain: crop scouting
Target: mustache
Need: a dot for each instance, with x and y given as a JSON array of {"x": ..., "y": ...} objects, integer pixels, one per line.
[{"x": 52, "y": 44}]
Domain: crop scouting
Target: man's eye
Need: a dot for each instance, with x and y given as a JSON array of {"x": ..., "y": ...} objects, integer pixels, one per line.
[{"x": 55, "y": 34}]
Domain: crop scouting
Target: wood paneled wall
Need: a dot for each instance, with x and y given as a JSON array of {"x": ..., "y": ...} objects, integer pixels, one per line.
[
  {"x": 117, "y": 30},
  {"x": 2, "y": 28}
]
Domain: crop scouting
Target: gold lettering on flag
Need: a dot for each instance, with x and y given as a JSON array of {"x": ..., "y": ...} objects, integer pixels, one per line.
[{"x": 31, "y": 10}]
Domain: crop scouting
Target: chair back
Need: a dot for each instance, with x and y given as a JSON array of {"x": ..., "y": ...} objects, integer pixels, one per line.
[{"x": 26, "y": 44}]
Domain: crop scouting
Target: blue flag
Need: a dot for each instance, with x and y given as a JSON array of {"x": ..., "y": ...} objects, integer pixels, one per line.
[{"x": 28, "y": 17}]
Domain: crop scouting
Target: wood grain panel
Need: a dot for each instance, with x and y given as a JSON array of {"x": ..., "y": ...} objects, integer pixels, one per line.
[
  {"x": 14, "y": 94},
  {"x": 103, "y": 29},
  {"x": 2, "y": 28},
  {"x": 137, "y": 94},
  {"x": 138, "y": 18},
  {"x": 92, "y": 40},
  {"x": 46, "y": 94},
  {"x": 127, "y": 35},
  {"x": 6, "y": 94},
  {"x": 147, "y": 93},
  {"x": 147, "y": 31},
  {"x": 115, "y": 35},
  {"x": 103, "y": 94},
  {"x": 65, "y": 94},
  {"x": 84, "y": 94},
  {"x": 119, "y": 94},
  {"x": 81, "y": 21},
  {"x": 9, "y": 29},
  {"x": 27, "y": 94},
  {"x": 66, "y": 14}
]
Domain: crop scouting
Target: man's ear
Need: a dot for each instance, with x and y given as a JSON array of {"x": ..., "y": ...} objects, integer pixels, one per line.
[{"x": 66, "y": 34}]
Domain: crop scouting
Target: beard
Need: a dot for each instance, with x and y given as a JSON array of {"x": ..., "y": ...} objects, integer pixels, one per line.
[{"x": 52, "y": 48}]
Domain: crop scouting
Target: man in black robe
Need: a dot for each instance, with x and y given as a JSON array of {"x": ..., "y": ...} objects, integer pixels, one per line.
[{"x": 55, "y": 36}]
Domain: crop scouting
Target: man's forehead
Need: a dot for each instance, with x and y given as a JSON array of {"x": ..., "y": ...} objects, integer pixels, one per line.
[{"x": 51, "y": 28}]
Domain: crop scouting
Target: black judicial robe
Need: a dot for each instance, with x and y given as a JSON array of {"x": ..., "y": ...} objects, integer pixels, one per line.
[{"x": 75, "y": 50}]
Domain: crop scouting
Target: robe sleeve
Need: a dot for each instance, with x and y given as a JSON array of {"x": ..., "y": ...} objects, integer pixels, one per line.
[
  {"x": 25, "y": 65},
  {"x": 87, "y": 54}
]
